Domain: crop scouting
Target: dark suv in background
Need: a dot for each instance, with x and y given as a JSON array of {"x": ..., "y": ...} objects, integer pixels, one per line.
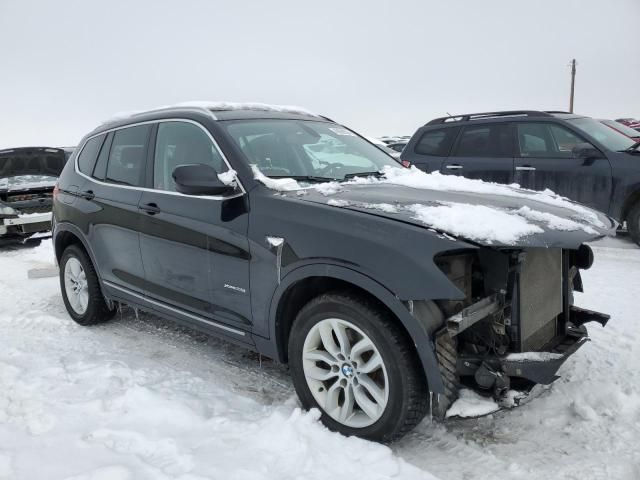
[{"x": 573, "y": 155}]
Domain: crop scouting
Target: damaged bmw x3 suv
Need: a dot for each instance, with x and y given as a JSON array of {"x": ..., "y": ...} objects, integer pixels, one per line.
[{"x": 385, "y": 289}]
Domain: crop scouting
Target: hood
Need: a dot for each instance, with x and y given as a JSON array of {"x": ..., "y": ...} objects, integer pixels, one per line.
[
  {"x": 500, "y": 216},
  {"x": 30, "y": 168}
]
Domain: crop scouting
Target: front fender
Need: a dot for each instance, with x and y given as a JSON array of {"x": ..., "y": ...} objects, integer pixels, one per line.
[{"x": 416, "y": 330}]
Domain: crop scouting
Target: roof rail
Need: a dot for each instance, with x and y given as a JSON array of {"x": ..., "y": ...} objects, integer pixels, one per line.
[
  {"x": 557, "y": 111},
  {"x": 481, "y": 116}
]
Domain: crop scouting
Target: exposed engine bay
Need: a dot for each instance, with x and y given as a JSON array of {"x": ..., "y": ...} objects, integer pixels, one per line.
[{"x": 27, "y": 179}]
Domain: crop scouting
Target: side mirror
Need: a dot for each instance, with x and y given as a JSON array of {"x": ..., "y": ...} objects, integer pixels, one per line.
[
  {"x": 198, "y": 179},
  {"x": 586, "y": 151}
]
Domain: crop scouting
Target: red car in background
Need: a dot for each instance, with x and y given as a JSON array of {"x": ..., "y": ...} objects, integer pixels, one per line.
[
  {"x": 624, "y": 129},
  {"x": 629, "y": 122}
]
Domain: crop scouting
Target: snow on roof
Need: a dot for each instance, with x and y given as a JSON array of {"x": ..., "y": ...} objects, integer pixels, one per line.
[{"x": 217, "y": 106}]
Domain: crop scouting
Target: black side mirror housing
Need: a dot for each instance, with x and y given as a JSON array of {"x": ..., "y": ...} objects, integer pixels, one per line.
[
  {"x": 586, "y": 151},
  {"x": 199, "y": 179}
]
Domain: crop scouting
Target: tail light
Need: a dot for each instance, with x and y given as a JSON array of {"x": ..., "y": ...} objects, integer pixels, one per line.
[
  {"x": 405, "y": 163},
  {"x": 56, "y": 191}
]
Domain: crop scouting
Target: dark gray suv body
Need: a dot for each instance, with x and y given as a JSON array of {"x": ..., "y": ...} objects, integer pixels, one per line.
[
  {"x": 195, "y": 214},
  {"x": 572, "y": 155}
]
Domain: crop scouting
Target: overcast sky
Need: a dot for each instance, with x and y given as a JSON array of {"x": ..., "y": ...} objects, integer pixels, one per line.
[{"x": 378, "y": 67}]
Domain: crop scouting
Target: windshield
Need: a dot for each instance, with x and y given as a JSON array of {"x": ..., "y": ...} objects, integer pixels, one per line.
[
  {"x": 628, "y": 131},
  {"x": 306, "y": 149},
  {"x": 611, "y": 139}
]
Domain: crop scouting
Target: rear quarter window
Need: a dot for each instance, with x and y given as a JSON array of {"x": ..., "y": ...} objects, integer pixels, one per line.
[
  {"x": 89, "y": 154},
  {"x": 436, "y": 142}
]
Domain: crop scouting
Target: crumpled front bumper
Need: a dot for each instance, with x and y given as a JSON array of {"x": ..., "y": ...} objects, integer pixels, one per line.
[{"x": 542, "y": 366}]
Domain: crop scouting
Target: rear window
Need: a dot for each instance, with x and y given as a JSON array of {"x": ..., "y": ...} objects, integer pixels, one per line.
[
  {"x": 89, "y": 154},
  {"x": 436, "y": 142},
  {"x": 128, "y": 155},
  {"x": 485, "y": 141}
]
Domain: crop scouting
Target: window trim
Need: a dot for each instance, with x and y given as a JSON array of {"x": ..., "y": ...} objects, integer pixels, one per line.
[{"x": 242, "y": 191}]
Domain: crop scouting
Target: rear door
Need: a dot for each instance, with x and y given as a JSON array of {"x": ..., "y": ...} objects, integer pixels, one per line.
[
  {"x": 545, "y": 159},
  {"x": 483, "y": 151},
  {"x": 110, "y": 201},
  {"x": 194, "y": 248}
]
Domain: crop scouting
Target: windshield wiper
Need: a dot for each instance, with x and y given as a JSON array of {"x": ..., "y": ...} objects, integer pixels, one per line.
[
  {"x": 632, "y": 149},
  {"x": 377, "y": 174},
  {"x": 305, "y": 178}
]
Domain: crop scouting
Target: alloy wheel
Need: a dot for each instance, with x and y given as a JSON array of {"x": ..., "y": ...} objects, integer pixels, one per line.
[
  {"x": 76, "y": 286},
  {"x": 345, "y": 373}
]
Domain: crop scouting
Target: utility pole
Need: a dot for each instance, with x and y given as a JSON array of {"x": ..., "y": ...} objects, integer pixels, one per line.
[{"x": 573, "y": 84}]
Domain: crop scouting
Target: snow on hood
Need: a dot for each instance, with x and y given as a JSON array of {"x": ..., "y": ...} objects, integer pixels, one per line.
[
  {"x": 27, "y": 182},
  {"x": 487, "y": 213}
]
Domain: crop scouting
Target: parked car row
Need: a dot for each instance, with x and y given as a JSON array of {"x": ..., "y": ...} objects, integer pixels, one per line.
[
  {"x": 384, "y": 288},
  {"x": 629, "y": 122}
]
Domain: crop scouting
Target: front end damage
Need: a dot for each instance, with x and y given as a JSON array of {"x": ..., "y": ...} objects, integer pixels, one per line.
[{"x": 517, "y": 323}]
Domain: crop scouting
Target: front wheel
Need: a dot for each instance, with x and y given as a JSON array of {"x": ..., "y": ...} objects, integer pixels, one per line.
[
  {"x": 352, "y": 361},
  {"x": 81, "y": 289}
]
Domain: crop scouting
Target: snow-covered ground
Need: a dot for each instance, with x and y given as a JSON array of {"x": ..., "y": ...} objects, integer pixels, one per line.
[{"x": 144, "y": 399}]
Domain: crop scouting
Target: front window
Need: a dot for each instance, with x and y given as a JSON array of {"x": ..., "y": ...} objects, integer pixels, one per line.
[
  {"x": 306, "y": 150},
  {"x": 611, "y": 139}
]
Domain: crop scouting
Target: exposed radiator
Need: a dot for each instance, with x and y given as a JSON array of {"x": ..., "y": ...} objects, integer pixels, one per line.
[{"x": 540, "y": 296}]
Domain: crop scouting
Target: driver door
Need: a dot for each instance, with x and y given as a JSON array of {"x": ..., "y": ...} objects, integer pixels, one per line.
[{"x": 193, "y": 249}]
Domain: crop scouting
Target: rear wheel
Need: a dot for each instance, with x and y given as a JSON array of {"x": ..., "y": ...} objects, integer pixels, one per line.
[
  {"x": 633, "y": 223},
  {"x": 81, "y": 289},
  {"x": 349, "y": 359}
]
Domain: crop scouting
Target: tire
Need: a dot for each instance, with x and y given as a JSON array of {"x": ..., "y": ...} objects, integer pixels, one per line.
[
  {"x": 95, "y": 309},
  {"x": 401, "y": 398},
  {"x": 633, "y": 223}
]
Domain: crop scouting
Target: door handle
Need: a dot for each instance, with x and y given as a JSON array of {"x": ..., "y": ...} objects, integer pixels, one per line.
[
  {"x": 150, "y": 208},
  {"x": 454, "y": 167},
  {"x": 526, "y": 168},
  {"x": 88, "y": 195}
]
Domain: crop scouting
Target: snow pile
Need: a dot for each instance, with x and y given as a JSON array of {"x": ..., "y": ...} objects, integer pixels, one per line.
[
  {"x": 471, "y": 404},
  {"x": 533, "y": 356},
  {"x": 383, "y": 207},
  {"x": 279, "y": 184},
  {"x": 228, "y": 177},
  {"x": 327, "y": 188},
  {"x": 554, "y": 222},
  {"x": 476, "y": 222}
]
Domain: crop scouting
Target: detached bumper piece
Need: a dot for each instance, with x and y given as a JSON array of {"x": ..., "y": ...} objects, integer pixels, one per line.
[
  {"x": 26, "y": 225},
  {"x": 493, "y": 372}
]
